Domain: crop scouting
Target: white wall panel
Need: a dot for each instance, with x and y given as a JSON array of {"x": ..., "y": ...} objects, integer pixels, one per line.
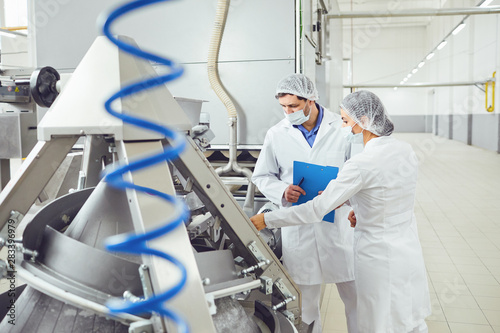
[
  {"x": 258, "y": 49},
  {"x": 180, "y": 29}
]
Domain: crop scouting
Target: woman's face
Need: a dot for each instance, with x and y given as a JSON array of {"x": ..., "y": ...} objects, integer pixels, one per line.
[{"x": 348, "y": 121}]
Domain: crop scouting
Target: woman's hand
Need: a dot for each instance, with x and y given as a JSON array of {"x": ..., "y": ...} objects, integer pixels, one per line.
[
  {"x": 352, "y": 218},
  {"x": 258, "y": 221}
]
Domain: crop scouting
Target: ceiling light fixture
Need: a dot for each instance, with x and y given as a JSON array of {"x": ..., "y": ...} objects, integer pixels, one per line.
[
  {"x": 485, "y": 3},
  {"x": 458, "y": 29},
  {"x": 442, "y": 44}
]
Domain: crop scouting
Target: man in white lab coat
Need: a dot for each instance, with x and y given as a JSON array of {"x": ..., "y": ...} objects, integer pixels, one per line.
[{"x": 315, "y": 253}]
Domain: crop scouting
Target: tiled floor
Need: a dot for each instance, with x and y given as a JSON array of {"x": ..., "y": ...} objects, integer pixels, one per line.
[{"x": 458, "y": 212}]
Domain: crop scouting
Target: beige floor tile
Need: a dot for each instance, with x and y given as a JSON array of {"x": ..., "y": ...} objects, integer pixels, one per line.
[
  {"x": 469, "y": 328},
  {"x": 472, "y": 269},
  {"x": 323, "y": 316},
  {"x": 494, "y": 269},
  {"x": 462, "y": 253},
  {"x": 457, "y": 301},
  {"x": 335, "y": 322},
  {"x": 491, "y": 262},
  {"x": 493, "y": 317},
  {"x": 434, "y": 259},
  {"x": 336, "y": 306},
  {"x": 328, "y": 288},
  {"x": 437, "y": 312},
  {"x": 451, "y": 288},
  {"x": 324, "y": 304},
  {"x": 454, "y": 277},
  {"x": 432, "y": 245},
  {"x": 482, "y": 290},
  {"x": 440, "y": 267},
  {"x": 488, "y": 303},
  {"x": 457, "y": 245},
  {"x": 334, "y": 293},
  {"x": 438, "y": 327},
  {"x": 466, "y": 260},
  {"x": 487, "y": 254},
  {"x": 483, "y": 279},
  {"x": 496, "y": 329},
  {"x": 465, "y": 316},
  {"x": 490, "y": 247}
]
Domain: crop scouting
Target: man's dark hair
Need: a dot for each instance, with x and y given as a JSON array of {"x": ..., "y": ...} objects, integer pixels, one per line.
[{"x": 278, "y": 95}]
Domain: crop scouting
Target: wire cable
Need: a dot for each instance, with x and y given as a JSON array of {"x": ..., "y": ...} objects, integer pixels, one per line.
[{"x": 137, "y": 243}]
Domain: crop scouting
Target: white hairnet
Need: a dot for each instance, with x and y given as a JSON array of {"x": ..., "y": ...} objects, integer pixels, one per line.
[
  {"x": 298, "y": 85},
  {"x": 366, "y": 109}
]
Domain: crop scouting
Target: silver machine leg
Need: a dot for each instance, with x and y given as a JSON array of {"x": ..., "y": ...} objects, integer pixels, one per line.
[
  {"x": 35, "y": 173},
  {"x": 4, "y": 172}
]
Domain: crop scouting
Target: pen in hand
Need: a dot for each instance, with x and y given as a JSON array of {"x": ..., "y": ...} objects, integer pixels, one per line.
[
  {"x": 300, "y": 182},
  {"x": 293, "y": 192}
]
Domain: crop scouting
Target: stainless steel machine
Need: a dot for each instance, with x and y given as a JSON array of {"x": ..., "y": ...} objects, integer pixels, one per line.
[
  {"x": 235, "y": 281},
  {"x": 21, "y": 90}
]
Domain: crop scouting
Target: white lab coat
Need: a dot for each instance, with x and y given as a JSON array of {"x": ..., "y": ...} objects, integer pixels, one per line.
[
  {"x": 391, "y": 283},
  {"x": 319, "y": 252}
]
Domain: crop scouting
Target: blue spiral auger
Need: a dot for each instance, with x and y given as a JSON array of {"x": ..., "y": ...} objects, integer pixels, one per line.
[{"x": 137, "y": 243}]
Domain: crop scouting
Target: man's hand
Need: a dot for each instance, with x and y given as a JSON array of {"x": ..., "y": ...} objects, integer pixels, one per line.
[
  {"x": 352, "y": 218},
  {"x": 258, "y": 221},
  {"x": 292, "y": 193}
]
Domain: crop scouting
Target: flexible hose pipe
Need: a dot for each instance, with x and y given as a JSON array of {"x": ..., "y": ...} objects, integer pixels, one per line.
[
  {"x": 216, "y": 84},
  {"x": 213, "y": 58}
]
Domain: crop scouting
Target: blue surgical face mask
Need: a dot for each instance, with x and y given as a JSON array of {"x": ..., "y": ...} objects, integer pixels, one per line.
[{"x": 350, "y": 136}]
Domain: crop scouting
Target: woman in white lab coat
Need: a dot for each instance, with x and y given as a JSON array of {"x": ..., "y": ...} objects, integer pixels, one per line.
[{"x": 380, "y": 185}]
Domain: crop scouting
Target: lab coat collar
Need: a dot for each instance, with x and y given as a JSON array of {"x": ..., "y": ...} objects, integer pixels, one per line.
[
  {"x": 329, "y": 120},
  {"x": 381, "y": 140}
]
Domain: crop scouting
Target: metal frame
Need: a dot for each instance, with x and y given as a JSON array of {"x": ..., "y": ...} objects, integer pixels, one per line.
[
  {"x": 36, "y": 171},
  {"x": 4, "y": 172},
  {"x": 207, "y": 185},
  {"x": 148, "y": 212},
  {"x": 418, "y": 12},
  {"x": 420, "y": 85}
]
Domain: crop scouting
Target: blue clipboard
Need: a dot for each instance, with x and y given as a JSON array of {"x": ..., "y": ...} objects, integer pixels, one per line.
[{"x": 313, "y": 178}]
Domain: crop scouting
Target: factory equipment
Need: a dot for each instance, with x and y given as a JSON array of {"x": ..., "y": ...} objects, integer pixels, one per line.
[
  {"x": 231, "y": 271},
  {"x": 20, "y": 93}
]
